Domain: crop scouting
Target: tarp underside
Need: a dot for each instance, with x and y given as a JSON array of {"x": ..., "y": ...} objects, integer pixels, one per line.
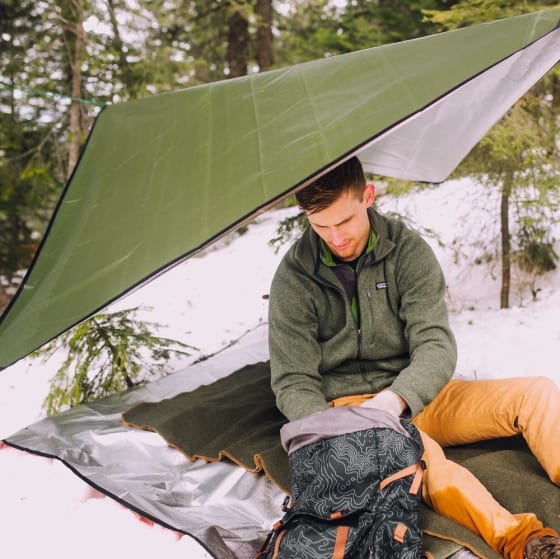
[{"x": 428, "y": 145}]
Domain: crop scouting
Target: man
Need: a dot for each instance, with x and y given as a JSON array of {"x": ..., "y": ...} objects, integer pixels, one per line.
[{"x": 358, "y": 317}]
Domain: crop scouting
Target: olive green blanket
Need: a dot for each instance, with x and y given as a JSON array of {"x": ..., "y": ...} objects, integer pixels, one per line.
[{"x": 236, "y": 418}]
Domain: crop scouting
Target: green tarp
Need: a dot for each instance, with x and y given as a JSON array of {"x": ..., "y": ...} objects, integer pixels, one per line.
[{"x": 164, "y": 176}]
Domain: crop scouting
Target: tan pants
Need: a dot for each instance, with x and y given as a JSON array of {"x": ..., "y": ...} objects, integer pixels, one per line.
[{"x": 468, "y": 411}]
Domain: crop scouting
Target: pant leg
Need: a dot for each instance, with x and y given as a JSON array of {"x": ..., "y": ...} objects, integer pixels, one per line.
[
  {"x": 468, "y": 411},
  {"x": 455, "y": 493}
]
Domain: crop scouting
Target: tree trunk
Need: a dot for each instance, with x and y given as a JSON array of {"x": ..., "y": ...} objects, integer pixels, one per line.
[
  {"x": 238, "y": 45},
  {"x": 12, "y": 209},
  {"x": 265, "y": 49},
  {"x": 506, "y": 242},
  {"x": 74, "y": 36},
  {"x": 118, "y": 44}
]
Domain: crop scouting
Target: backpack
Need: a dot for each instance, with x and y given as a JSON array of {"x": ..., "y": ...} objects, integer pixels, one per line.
[{"x": 356, "y": 488}]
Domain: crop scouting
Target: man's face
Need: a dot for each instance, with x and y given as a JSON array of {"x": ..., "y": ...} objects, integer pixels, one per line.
[{"x": 344, "y": 225}]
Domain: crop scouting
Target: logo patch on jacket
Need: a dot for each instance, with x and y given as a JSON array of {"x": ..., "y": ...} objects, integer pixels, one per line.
[{"x": 381, "y": 285}]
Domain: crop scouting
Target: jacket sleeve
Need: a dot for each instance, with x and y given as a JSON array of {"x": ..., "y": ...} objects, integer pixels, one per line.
[
  {"x": 295, "y": 354},
  {"x": 423, "y": 312}
]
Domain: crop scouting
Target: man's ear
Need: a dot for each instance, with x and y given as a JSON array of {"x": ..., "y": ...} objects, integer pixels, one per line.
[{"x": 369, "y": 195}]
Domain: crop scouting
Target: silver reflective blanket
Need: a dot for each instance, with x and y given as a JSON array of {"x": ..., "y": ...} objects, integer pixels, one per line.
[{"x": 228, "y": 510}]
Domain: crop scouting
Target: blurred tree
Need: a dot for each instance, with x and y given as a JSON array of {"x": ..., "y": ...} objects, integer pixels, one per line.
[
  {"x": 264, "y": 38},
  {"x": 237, "y": 50},
  {"x": 227, "y": 38},
  {"x": 312, "y": 29},
  {"x": 31, "y": 172},
  {"x": 471, "y": 12}
]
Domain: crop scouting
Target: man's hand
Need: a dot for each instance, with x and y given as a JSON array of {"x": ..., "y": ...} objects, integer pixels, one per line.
[{"x": 388, "y": 401}]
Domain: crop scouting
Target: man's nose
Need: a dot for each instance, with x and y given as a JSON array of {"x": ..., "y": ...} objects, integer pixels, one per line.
[{"x": 336, "y": 236}]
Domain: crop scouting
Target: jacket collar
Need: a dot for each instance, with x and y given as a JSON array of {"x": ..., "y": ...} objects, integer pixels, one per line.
[{"x": 307, "y": 250}]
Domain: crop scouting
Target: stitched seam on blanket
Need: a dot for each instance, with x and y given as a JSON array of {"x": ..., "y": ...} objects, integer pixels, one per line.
[{"x": 473, "y": 550}]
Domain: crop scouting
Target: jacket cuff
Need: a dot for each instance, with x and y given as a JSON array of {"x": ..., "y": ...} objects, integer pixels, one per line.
[
  {"x": 414, "y": 403},
  {"x": 301, "y": 405}
]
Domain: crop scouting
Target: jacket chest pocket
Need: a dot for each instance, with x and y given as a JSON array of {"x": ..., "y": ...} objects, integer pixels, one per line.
[
  {"x": 333, "y": 315},
  {"x": 379, "y": 321}
]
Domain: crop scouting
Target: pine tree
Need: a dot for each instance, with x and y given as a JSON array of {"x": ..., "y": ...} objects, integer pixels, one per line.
[{"x": 106, "y": 354}]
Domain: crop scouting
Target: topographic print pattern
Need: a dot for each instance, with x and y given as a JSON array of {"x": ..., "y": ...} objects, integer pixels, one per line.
[{"x": 342, "y": 475}]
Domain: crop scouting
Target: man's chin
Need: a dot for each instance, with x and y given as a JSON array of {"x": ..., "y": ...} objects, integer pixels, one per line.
[{"x": 344, "y": 255}]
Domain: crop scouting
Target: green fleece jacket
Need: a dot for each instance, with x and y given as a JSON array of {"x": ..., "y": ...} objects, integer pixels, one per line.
[{"x": 319, "y": 352}]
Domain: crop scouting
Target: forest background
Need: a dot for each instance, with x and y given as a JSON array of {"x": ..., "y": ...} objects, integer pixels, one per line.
[{"x": 62, "y": 61}]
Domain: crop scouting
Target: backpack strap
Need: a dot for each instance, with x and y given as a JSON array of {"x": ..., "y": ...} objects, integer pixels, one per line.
[
  {"x": 340, "y": 542},
  {"x": 276, "y": 529},
  {"x": 399, "y": 533},
  {"x": 416, "y": 469},
  {"x": 277, "y": 544}
]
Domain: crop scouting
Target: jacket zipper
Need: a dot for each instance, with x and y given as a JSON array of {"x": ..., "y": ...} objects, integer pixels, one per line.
[
  {"x": 359, "y": 321},
  {"x": 343, "y": 293},
  {"x": 368, "y": 293}
]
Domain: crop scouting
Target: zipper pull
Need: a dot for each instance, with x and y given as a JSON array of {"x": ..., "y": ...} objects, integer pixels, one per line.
[{"x": 359, "y": 340}]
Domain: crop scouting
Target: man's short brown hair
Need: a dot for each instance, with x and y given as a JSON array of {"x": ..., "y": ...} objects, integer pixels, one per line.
[{"x": 348, "y": 176}]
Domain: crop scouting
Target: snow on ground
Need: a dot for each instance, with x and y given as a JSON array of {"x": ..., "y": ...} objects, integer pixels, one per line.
[{"x": 214, "y": 299}]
